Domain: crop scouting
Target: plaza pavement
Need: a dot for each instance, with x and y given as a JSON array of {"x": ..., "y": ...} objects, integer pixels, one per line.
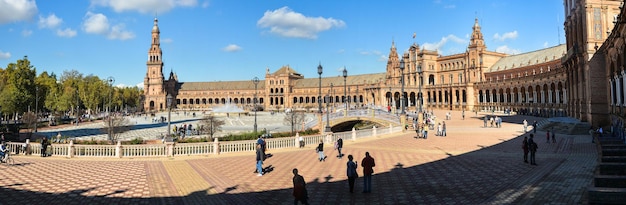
[{"x": 472, "y": 165}]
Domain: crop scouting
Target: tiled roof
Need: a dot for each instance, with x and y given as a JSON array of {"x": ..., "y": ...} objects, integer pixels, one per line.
[
  {"x": 350, "y": 80},
  {"x": 530, "y": 58},
  {"x": 223, "y": 85},
  {"x": 286, "y": 70}
]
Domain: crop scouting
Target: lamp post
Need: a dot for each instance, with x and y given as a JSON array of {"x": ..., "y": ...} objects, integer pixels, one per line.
[
  {"x": 169, "y": 115},
  {"x": 36, "y": 106},
  {"x": 319, "y": 97},
  {"x": 345, "y": 95},
  {"x": 332, "y": 96},
  {"x": 255, "y": 80},
  {"x": 110, "y": 80},
  {"x": 327, "y": 98},
  {"x": 402, "y": 90},
  {"x": 77, "y": 106},
  {"x": 419, "y": 95}
]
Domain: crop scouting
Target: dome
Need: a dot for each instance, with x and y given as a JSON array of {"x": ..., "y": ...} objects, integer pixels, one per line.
[{"x": 155, "y": 28}]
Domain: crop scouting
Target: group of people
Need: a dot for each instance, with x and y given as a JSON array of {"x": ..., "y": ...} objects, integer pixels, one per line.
[
  {"x": 529, "y": 145},
  {"x": 300, "y": 193},
  {"x": 493, "y": 121}
]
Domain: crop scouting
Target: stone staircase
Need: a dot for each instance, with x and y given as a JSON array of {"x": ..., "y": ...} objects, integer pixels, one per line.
[
  {"x": 564, "y": 126},
  {"x": 609, "y": 185}
]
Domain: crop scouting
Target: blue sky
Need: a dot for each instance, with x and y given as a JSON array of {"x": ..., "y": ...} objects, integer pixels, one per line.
[{"x": 224, "y": 40}]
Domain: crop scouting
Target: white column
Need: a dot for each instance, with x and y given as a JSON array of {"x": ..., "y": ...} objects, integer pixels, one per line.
[
  {"x": 618, "y": 91},
  {"x": 564, "y": 96},
  {"x": 612, "y": 91},
  {"x": 558, "y": 98},
  {"x": 549, "y": 96},
  {"x": 536, "y": 98},
  {"x": 526, "y": 95},
  {"x": 506, "y": 95},
  {"x": 519, "y": 96},
  {"x": 623, "y": 76}
]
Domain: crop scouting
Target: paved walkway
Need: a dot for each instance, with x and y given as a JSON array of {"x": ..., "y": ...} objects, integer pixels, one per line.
[{"x": 472, "y": 165}]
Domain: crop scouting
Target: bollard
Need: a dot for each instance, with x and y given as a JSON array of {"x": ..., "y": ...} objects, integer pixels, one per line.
[
  {"x": 353, "y": 134},
  {"x": 118, "y": 149},
  {"x": 374, "y": 131},
  {"x": 216, "y": 146},
  {"x": 70, "y": 150},
  {"x": 296, "y": 141}
]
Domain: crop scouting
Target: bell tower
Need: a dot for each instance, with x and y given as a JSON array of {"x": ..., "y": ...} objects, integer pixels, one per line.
[{"x": 154, "y": 90}]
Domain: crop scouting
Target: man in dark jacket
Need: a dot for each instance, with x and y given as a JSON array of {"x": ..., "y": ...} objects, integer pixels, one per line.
[
  {"x": 259, "y": 159},
  {"x": 367, "y": 163},
  {"x": 299, "y": 188}
]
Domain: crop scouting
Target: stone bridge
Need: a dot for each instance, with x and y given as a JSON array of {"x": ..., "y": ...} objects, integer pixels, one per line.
[{"x": 372, "y": 115}]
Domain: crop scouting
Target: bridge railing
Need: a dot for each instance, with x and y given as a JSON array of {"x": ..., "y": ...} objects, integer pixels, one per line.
[{"x": 171, "y": 149}]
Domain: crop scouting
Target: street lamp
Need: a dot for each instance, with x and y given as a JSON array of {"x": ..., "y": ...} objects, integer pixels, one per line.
[
  {"x": 327, "y": 98},
  {"x": 319, "y": 97},
  {"x": 419, "y": 95},
  {"x": 345, "y": 95},
  {"x": 110, "y": 80},
  {"x": 36, "y": 106},
  {"x": 169, "y": 115},
  {"x": 402, "y": 91},
  {"x": 255, "y": 80},
  {"x": 332, "y": 96}
]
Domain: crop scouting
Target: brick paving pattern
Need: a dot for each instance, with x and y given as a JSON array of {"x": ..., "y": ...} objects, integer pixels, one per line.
[{"x": 472, "y": 165}]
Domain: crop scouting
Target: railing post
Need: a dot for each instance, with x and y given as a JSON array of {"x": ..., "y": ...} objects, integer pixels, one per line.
[
  {"x": 353, "y": 134},
  {"x": 296, "y": 141},
  {"x": 70, "y": 150},
  {"x": 170, "y": 148},
  {"x": 27, "y": 150},
  {"x": 390, "y": 128},
  {"x": 216, "y": 146},
  {"x": 329, "y": 137},
  {"x": 118, "y": 149},
  {"x": 374, "y": 131}
]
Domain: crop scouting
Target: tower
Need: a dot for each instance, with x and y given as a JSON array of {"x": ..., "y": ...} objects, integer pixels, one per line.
[
  {"x": 154, "y": 89},
  {"x": 475, "y": 52}
]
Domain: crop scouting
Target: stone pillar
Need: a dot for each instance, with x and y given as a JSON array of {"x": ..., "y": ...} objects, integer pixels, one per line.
[
  {"x": 216, "y": 146},
  {"x": 558, "y": 97},
  {"x": 329, "y": 138},
  {"x": 27, "y": 151},
  {"x": 549, "y": 96},
  {"x": 118, "y": 149},
  {"x": 619, "y": 91},
  {"x": 169, "y": 148},
  {"x": 564, "y": 96},
  {"x": 70, "y": 150},
  {"x": 353, "y": 134},
  {"x": 612, "y": 94},
  {"x": 623, "y": 87},
  {"x": 373, "y": 131},
  {"x": 296, "y": 141},
  {"x": 402, "y": 122}
]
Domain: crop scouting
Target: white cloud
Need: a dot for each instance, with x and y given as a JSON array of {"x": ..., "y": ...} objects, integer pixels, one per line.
[
  {"x": 4, "y": 55},
  {"x": 205, "y": 4},
  {"x": 144, "y": 6},
  {"x": 27, "y": 32},
  {"x": 232, "y": 48},
  {"x": 545, "y": 44},
  {"x": 68, "y": 32},
  {"x": 166, "y": 40},
  {"x": 52, "y": 21},
  {"x": 507, "y": 35},
  {"x": 438, "y": 45},
  {"x": 118, "y": 32},
  {"x": 374, "y": 52},
  {"x": 140, "y": 85},
  {"x": 17, "y": 10},
  {"x": 382, "y": 58},
  {"x": 97, "y": 23},
  {"x": 285, "y": 22},
  {"x": 507, "y": 50}
]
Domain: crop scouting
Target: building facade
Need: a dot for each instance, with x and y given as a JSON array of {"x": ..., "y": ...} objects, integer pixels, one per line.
[{"x": 536, "y": 82}]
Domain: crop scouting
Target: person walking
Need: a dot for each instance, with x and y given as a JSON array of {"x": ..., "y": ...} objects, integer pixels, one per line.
[
  {"x": 352, "y": 173},
  {"x": 299, "y": 188},
  {"x": 301, "y": 140},
  {"x": 553, "y": 137},
  {"x": 485, "y": 120},
  {"x": 44, "y": 146},
  {"x": 525, "y": 125},
  {"x": 320, "y": 151},
  {"x": 443, "y": 129},
  {"x": 548, "y": 136},
  {"x": 339, "y": 146},
  {"x": 439, "y": 129},
  {"x": 425, "y": 132},
  {"x": 259, "y": 159},
  {"x": 532, "y": 147},
  {"x": 535, "y": 126},
  {"x": 463, "y": 115},
  {"x": 367, "y": 163},
  {"x": 525, "y": 148}
]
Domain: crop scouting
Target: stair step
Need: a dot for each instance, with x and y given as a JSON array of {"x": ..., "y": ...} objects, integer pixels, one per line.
[
  {"x": 614, "y": 159},
  {"x": 612, "y": 168},
  {"x": 606, "y": 195},
  {"x": 613, "y": 181}
]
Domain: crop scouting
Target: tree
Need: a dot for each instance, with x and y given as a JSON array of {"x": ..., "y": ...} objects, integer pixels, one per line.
[
  {"x": 294, "y": 119},
  {"x": 211, "y": 125},
  {"x": 114, "y": 126}
]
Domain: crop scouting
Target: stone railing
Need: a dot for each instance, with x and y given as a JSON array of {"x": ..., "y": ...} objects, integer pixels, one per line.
[{"x": 171, "y": 149}]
